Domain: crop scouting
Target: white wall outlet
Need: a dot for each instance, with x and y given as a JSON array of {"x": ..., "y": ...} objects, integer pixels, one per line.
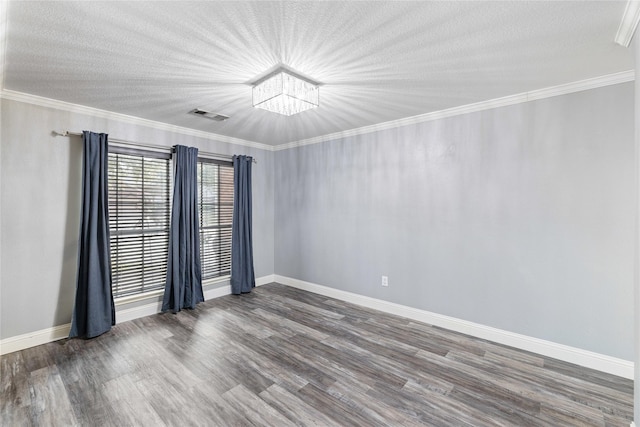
[{"x": 385, "y": 281}]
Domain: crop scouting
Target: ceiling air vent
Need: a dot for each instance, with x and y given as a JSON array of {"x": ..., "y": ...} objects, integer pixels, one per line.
[{"x": 209, "y": 115}]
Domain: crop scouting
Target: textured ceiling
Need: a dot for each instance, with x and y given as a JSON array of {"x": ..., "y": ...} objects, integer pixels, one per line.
[{"x": 377, "y": 61}]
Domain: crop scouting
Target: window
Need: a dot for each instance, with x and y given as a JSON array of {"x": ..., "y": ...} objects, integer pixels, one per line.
[
  {"x": 215, "y": 200},
  {"x": 139, "y": 214}
]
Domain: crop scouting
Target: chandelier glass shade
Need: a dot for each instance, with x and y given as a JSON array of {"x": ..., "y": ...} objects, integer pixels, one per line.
[{"x": 285, "y": 93}]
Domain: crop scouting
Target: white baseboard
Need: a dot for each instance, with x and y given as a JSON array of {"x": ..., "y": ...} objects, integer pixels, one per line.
[
  {"x": 32, "y": 339},
  {"x": 611, "y": 365},
  {"x": 126, "y": 314},
  {"x": 600, "y": 362},
  {"x": 264, "y": 280},
  {"x": 153, "y": 308}
]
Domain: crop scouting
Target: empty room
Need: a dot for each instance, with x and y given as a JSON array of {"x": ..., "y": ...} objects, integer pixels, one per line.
[{"x": 319, "y": 213}]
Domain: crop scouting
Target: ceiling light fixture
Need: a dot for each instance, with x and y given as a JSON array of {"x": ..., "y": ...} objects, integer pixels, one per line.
[{"x": 286, "y": 93}]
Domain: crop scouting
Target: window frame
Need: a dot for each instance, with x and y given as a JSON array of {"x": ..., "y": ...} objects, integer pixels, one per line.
[
  {"x": 224, "y": 273},
  {"x": 152, "y": 152},
  {"x": 115, "y": 234}
]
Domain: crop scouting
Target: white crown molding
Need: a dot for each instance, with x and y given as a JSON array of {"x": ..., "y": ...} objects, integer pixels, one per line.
[
  {"x": 95, "y": 112},
  {"x": 629, "y": 23},
  {"x": 44, "y": 336},
  {"x": 608, "y": 364},
  {"x": 593, "y": 83}
]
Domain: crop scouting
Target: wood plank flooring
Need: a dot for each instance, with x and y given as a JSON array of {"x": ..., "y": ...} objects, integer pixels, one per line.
[{"x": 284, "y": 357}]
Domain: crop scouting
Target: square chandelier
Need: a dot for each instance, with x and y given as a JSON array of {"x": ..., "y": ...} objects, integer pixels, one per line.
[{"x": 285, "y": 93}]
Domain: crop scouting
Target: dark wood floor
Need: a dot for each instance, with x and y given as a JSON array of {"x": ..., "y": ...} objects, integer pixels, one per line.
[{"x": 281, "y": 356}]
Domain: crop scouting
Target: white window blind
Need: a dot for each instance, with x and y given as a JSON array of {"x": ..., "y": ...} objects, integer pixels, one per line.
[
  {"x": 139, "y": 215},
  {"x": 215, "y": 200}
]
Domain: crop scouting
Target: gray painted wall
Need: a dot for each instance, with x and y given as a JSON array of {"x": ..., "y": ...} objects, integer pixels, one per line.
[
  {"x": 40, "y": 178},
  {"x": 636, "y": 333},
  {"x": 520, "y": 217}
]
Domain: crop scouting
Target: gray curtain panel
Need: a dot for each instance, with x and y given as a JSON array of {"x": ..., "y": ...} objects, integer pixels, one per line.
[
  {"x": 242, "y": 274},
  {"x": 184, "y": 273},
  {"x": 94, "y": 310}
]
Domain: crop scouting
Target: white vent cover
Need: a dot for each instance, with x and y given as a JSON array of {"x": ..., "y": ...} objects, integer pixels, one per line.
[{"x": 209, "y": 115}]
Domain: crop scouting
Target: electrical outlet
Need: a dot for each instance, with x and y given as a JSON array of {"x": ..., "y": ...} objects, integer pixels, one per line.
[{"x": 385, "y": 281}]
